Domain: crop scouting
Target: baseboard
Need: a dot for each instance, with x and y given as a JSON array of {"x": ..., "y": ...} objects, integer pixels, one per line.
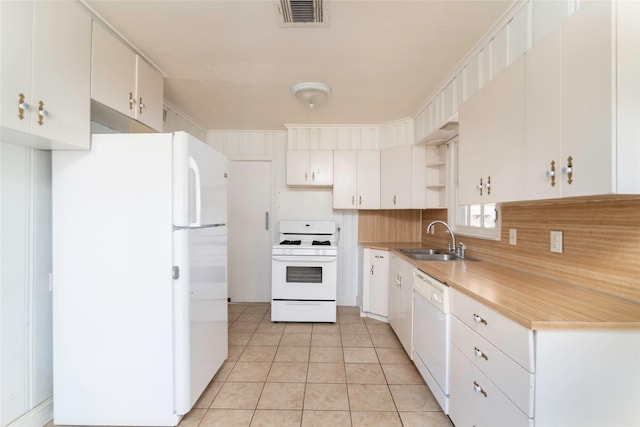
[
  {"x": 37, "y": 417},
  {"x": 348, "y": 301}
]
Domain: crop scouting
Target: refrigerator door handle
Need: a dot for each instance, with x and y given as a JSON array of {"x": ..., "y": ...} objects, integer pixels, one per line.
[
  {"x": 197, "y": 227},
  {"x": 196, "y": 174}
]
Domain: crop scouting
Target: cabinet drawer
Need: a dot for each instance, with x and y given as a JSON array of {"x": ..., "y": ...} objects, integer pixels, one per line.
[
  {"x": 476, "y": 401},
  {"x": 510, "y": 377},
  {"x": 513, "y": 339}
]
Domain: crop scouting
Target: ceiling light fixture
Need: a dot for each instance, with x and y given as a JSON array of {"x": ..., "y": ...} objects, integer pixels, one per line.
[{"x": 311, "y": 93}]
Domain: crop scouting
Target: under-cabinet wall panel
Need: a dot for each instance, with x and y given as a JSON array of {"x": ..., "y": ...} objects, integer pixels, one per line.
[{"x": 389, "y": 225}]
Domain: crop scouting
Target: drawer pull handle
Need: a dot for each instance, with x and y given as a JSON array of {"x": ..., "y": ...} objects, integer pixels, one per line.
[
  {"x": 478, "y": 389},
  {"x": 479, "y": 353},
  {"x": 478, "y": 319}
]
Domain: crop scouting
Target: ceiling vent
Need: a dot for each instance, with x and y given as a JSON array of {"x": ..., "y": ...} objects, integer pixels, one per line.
[{"x": 301, "y": 12}]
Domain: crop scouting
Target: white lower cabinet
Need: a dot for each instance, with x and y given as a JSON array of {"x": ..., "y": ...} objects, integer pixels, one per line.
[
  {"x": 375, "y": 279},
  {"x": 492, "y": 367},
  {"x": 503, "y": 374},
  {"x": 401, "y": 301},
  {"x": 476, "y": 401}
]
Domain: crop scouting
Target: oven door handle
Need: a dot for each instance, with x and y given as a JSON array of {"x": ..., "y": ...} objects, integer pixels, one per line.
[{"x": 312, "y": 258}]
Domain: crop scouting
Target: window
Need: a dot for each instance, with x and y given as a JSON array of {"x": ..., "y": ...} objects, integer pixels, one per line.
[{"x": 478, "y": 220}]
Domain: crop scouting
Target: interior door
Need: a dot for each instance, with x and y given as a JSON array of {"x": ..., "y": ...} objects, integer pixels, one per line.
[{"x": 249, "y": 244}]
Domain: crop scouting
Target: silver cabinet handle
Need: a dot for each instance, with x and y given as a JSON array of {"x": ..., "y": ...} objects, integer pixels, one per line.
[{"x": 266, "y": 220}]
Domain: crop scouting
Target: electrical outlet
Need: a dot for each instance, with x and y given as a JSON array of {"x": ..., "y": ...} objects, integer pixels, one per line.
[
  {"x": 556, "y": 242},
  {"x": 513, "y": 234}
]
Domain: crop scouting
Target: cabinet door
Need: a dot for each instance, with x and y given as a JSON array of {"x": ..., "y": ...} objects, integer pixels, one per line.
[
  {"x": 368, "y": 180},
  {"x": 61, "y": 77},
  {"x": 113, "y": 72},
  {"x": 321, "y": 167},
  {"x": 504, "y": 141},
  {"x": 15, "y": 55},
  {"x": 378, "y": 283},
  {"x": 587, "y": 100},
  {"x": 543, "y": 133},
  {"x": 394, "y": 292},
  {"x": 395, "y": 178},
  {"x": 405, "y": 307},
  {"x": 344, "y": 179},
  {"x": 149, "y": 95},
  {"x": 298, "y": 167},
  {"x": 471, "y": 149}
]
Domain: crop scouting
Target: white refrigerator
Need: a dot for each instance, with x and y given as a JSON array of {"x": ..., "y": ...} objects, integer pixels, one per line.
[{"x": 139, "y": 278}]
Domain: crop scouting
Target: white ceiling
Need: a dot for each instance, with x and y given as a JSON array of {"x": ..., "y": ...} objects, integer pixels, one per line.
[{"x": 229, "y": 64}]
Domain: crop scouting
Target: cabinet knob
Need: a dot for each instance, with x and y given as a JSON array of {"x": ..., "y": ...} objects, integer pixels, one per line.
[
  {"x": 360, "y": 200},
  {"x": 480, "y": 186},
  {"x": 478, "y": 389},
  {"x": 551, "y": 173},
  {"x": 306, "y": 177},
  {"x": 394, "y": 199},
  {"x": 372, "y": 269},
  {"x": 478, "y": 319},
  {"x": 479, "y": 353},
  {"x": 353, "y": 200},
  {"x": 313, "y": 176},
  {"x": 140, "y": 106},
  {"x": 488, "y": 186},
  {"x": 568, "y": 170},
  {"x": 42, "y": 113},
  {"x": 22, "y": 106},
  {"x": 131, "y": 101}
]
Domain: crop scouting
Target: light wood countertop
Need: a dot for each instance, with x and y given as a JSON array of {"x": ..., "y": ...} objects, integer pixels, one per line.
[{"x": 535, "y": 302}]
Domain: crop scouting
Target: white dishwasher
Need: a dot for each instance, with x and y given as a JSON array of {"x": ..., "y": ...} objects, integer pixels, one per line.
[{"x": 431, "y": 334}]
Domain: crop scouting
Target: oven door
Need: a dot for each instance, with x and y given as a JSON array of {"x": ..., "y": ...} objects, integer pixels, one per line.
[{"x": 297, "y": 277}]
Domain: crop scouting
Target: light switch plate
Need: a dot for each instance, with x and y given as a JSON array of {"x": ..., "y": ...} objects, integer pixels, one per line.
[
  {"x": 513, "y": 234},
  {"x": 556, "y": 242}
]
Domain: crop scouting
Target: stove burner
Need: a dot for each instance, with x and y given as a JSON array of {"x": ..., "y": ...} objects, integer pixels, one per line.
[
  {"x": 291, "y": 242},
  {"x": 321, "y": 243}
]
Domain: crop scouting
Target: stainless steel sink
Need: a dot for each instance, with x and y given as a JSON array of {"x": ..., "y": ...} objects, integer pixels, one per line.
[
  {"x": 429, "y": 254},
  {"x": 432, "y": 255}
]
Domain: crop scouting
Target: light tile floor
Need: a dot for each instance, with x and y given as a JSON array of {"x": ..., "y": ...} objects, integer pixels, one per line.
[{"x": 351, "y": 373}]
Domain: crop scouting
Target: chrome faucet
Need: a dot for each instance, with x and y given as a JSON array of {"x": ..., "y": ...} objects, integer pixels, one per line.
[{"x": 452, "y": 246}]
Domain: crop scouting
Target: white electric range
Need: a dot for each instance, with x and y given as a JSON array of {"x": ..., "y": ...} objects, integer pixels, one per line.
[{"x": 304, "y": 272}]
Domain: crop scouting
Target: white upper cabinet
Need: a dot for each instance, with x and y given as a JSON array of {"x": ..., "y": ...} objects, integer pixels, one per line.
[
  {"x": 582, "y": 102},
  {"x": 587, "y": 101},
  {"x": 543, "y": 136},
  {"x": 123, "y": 81},
  {"x": 491, "y": 147},
  {"x": 310, "y": 168},
  {"x": 45, "y": 60},
  {"x": 356, "y": 179},
  {"x": 403, "y": 177},
  {"x": 395, "y": 173}
]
